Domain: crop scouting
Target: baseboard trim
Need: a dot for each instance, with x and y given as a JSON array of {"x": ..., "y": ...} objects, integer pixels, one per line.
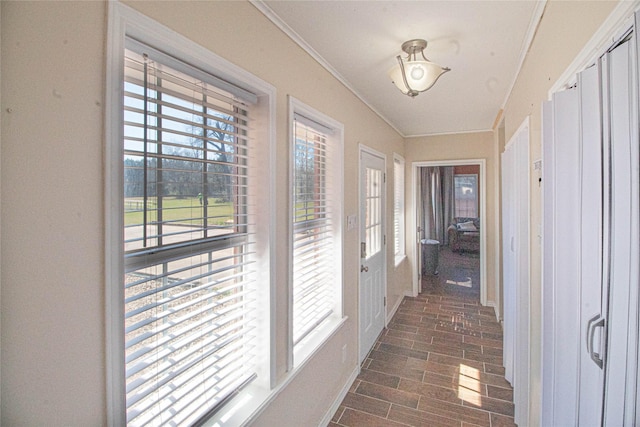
[
  {"x": 495, "y": 310},
  {"x": 397, "y": 306},
  {"x": 336, "y": 403}
]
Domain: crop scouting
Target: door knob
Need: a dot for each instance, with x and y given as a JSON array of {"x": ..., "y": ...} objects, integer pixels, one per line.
[{"x": 363, "y": 268}]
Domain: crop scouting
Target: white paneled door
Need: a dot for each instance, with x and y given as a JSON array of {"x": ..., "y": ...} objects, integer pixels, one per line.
[
  {"x": 515, "y": 268},
  {"x": 372, "y": 250}
]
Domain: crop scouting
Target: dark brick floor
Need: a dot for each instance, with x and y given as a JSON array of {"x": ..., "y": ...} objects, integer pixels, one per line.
[{"x": 439, "y": 362}]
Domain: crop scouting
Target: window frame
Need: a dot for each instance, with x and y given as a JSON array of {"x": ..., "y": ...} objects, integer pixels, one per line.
[
  {"x": 124, "y": 22},
  {"x": 399, "y": 237},
  {"x": 477, "y": 198},
  {"x": 298, "y": 355}
]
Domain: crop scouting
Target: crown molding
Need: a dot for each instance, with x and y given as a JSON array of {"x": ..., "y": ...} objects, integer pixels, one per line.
[
  {"x": 285, "y": 28},
  {"x": 461, "y": 132},
  {"x": 534, "y": 23}
]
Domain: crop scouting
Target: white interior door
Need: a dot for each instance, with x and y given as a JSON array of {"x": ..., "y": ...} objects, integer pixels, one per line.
[
  {"x": 508, "y": 260},
  {"x": 372, "y": 250},
  {"x": 515, "y": 220}
]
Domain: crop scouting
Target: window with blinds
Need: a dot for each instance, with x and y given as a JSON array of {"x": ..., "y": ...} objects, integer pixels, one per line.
[
  {"x": 398, "y": 207},
  {"x": 189, "y": 308},
  {"x": 466, "y": 195},
  {"x": 316, "y": 251}
]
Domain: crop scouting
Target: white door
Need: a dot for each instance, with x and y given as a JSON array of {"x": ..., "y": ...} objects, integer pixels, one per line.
[
  {"x": 372, "y": 250},
  {"x": 515, "y": 233},
  {"x": 508, "y": 260},
  {"x": 561, "y": 287}
]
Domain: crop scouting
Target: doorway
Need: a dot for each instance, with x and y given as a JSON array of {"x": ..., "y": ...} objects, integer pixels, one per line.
[{"x": 469, "y": 171}]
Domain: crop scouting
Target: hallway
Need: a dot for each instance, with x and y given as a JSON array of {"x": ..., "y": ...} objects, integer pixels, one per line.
[{"x": 439, "y": 362}]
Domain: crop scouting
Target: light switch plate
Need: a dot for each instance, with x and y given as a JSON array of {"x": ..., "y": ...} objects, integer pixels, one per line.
[{"x": 351, "y": 222}]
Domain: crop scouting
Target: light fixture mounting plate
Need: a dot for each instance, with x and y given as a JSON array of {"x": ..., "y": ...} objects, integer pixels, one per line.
[{"x": 414, "y": 46}]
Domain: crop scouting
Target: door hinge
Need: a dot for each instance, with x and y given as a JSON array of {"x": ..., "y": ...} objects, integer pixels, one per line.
[
  {"x": 385, "y": 239},
  {"x": 385, "y": 301},
  {"x": 384, "y": 177}
]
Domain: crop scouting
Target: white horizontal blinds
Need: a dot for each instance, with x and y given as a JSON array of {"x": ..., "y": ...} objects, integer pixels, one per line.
[
  {"x": 189, "y": 305},
  {"x": 188, "y": 143},
  {"x": 398, "y": 206},
  {"x": 373, "y": 218},
  {"x": 466, "y": 196},
  {"x": 313, "y": 229}
]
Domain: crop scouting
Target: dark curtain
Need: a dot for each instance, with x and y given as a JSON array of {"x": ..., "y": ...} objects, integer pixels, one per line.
[{"x": 436, "y": 183}]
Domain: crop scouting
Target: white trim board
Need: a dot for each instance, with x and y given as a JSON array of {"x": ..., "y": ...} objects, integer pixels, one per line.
[
  {"x": 396, "y": 306},
  {"x": 536, "y": 17},
  {"x": 336, "y": 403}
]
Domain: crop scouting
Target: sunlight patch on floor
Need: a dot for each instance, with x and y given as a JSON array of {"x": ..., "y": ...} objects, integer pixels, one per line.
[
  {"x": 467, "y": 283},
  {"x": 469, "y": 388}
]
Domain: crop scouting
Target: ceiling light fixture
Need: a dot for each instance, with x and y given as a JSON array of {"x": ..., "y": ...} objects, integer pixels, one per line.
[{"x": 415, "y": 75}]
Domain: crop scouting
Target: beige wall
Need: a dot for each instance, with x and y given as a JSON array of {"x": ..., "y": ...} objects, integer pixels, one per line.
[
  {"x": 52, "y": 270},
  {"x": 565, "y": 28},
  {"x": 462, "y": 146}
]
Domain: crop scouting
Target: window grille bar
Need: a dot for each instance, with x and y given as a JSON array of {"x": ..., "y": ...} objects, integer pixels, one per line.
[{"x": 145, "y": 158}]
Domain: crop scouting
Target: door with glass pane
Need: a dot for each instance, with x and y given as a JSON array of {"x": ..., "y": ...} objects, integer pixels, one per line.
[{"x": 372, "y": 254}]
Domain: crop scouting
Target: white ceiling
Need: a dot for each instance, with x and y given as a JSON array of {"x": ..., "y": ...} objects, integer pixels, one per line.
[{"x": 483, "y": 42}]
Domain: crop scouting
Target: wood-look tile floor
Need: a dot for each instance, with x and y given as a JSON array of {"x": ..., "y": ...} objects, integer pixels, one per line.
[{"x": 439, "y": 362}]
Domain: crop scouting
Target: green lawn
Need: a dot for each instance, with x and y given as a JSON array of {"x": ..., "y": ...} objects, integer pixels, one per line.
[{"x": 179, "y": 210}]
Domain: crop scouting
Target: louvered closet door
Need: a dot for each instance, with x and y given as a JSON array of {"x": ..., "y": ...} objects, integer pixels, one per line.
[
  {"x": 591, "y": 240},
  {"x": 620, "y": 77},
  {"x": 591, "y": 253}
]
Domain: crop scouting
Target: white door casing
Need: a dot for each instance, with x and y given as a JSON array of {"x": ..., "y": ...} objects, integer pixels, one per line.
[{"x": 372, "y": 283}]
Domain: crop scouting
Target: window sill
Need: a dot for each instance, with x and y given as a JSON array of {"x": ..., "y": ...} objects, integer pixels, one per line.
[
  {"x": 249, "y": 404},
  {"x": 235, "y": 412},
  {"x": 400, "y": 259},
  {"x": 314, "y": 342}
]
